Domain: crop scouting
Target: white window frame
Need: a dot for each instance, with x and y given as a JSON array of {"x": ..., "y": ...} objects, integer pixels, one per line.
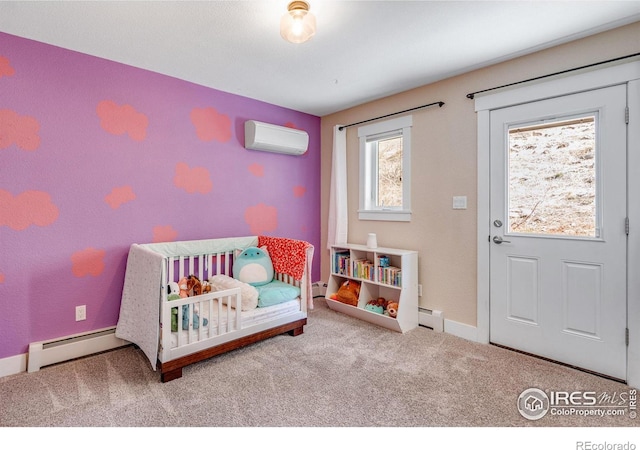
[{"x": 367, "y": 211}]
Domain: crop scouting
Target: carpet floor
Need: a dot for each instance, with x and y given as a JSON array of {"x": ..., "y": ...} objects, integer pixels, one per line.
[{"x": 341, "y": 372}]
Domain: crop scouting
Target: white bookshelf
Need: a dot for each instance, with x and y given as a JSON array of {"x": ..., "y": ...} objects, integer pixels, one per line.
[{"x": 400, "y": 283}]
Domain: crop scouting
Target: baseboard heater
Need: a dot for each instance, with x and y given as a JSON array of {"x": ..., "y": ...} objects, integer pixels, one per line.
[
  {"x": 431, "y": 319},
  {"x": 319, "y": 289},
  {"x": 45, "y": 353}
]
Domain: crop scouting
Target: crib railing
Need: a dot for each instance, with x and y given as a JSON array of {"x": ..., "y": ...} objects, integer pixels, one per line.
[
  {"x": 287, "y": 279},
  {"x": 202, "y": 266},
  {"x": 221, "y": 314},
  {"x": 218, "y": 308}
]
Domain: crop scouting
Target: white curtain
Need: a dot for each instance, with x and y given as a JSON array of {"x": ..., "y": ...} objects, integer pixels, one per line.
[{"x": 338, "y": 221}]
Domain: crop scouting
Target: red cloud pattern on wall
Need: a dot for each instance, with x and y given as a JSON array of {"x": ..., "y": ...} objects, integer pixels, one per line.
[
  {"x": 19, "y": 130},
  {"x": 257, "y": 169},
  {"x": 119, "y": 196},
  {"x": 27, "y": 208},
  {"x": 192, "y": 180},
  {"x": 211, "y": 125},
  {"x": 74, "y": 196},
  {"x": 299, "y": 191},
  {"x": 261, "y": 218},
  {"x": 123, "y": 119},
  {"x": 5, "y": 67},
  {"x": 164, "y": 233},
  {"x": 89, "y": 261}
]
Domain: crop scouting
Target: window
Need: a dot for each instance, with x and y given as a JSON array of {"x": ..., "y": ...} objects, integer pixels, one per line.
[
  {"x": 553, "y": 178},
  {"x": 385, "y": 170}
]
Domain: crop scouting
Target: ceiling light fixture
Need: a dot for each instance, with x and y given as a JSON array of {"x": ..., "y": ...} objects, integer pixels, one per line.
[{"x": 298, "y": 25}]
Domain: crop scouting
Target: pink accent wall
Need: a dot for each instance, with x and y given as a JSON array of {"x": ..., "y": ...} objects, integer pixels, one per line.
[{"x": 97, "y": 155}]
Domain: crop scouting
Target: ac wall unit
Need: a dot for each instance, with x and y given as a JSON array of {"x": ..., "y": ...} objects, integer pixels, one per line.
[{"x": 274, "y": 138}]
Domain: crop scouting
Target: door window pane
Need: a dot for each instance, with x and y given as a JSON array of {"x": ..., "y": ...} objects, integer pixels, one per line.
[{"x": 552, "y": 178}]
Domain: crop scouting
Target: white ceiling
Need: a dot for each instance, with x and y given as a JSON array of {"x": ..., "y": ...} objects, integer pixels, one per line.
[{"x": 363, "y": 50}]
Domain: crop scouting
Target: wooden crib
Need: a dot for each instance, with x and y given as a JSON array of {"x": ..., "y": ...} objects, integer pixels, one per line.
[{"x": 211, "y": 323}]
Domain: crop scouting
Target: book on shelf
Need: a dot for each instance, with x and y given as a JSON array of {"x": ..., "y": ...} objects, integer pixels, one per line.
[
  {"x": 363, "y": 268},
  {"x": 342, "y": 265},
  {"x": 390, "y": 275}
]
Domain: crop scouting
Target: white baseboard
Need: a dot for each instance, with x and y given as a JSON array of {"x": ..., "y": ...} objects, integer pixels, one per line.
[
  {"x": 431, "y": 319},
  {"x": 13, "y": 365},
  {"x": 461, "y": 330},
  {"x": 65, "y": 348},
  {"x": 62, "y": 349}
]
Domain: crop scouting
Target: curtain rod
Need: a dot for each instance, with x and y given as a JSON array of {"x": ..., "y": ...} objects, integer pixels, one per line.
[
  {"x": 392, "y": 114},
  {"x": 472, "y": 94}
]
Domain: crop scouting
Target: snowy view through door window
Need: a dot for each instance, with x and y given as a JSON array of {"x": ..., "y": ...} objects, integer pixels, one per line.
[{"x": 552, "y": 178}]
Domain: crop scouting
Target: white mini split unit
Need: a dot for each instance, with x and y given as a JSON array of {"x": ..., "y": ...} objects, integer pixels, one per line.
[{"x": 274, "y": 138}]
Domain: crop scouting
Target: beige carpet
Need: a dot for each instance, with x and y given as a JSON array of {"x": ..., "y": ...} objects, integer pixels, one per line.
[{"x": 341, "y": 372}]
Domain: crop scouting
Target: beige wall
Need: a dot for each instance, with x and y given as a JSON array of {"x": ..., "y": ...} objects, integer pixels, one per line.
[{"x": 444, "y": 165}]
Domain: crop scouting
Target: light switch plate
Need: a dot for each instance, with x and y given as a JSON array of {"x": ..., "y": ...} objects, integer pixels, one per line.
[{"x": 460, "y": 202}]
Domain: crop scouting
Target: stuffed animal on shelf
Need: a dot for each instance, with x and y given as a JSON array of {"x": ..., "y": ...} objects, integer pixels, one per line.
[
  {"x": 377, "y": 305},
  {"x": 392, "y": 309},
  {"x": 348, "y": 292},
  {"x": 371, "y": 307}
]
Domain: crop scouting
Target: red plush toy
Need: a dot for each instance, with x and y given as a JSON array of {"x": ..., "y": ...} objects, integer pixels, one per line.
[{"x": 348, "y": 293}]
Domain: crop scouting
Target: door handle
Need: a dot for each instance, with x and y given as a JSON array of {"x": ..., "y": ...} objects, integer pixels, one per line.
[{"x": 499, "y": 240}]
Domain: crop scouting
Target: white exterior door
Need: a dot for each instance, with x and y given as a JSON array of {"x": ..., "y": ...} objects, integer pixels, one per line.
[{"x": 558, "y": 244}]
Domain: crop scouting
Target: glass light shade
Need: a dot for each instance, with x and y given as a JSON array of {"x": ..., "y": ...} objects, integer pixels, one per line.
[{"x": 298, "y": 24}]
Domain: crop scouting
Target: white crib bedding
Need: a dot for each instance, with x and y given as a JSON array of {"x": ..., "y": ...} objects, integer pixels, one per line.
[{"x": 252, "y": 317}]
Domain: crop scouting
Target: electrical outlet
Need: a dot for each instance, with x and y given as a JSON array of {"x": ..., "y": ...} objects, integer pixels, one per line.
[{"x": 81, "y": 312}]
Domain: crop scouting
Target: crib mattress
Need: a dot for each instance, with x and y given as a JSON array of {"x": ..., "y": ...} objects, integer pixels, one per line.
[{"x": 252, "y": 317}]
